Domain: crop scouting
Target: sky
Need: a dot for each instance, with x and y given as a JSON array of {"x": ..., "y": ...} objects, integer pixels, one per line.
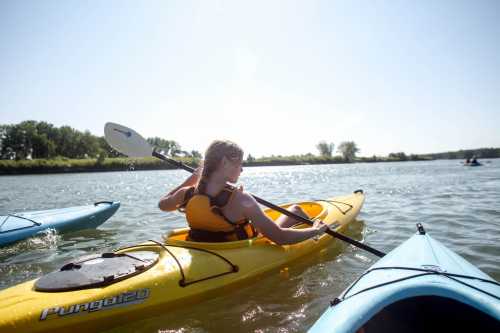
[{"x": 277, "y": 77}]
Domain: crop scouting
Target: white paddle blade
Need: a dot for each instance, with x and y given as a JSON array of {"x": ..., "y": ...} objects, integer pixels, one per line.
[{"x": 127, "y": 141}]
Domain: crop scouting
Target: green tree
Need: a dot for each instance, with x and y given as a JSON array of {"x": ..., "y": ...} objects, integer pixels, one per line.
[
  {"x": 43, "y": 140},
  {"x": 47, "y": 141},
  {"x": 325, "y": 149},
  {"x": 89, "y": 145},
  {"x": 65, "y": 142},
  {"x": 14, "y": 141},
  {"x": 169, "y": 147},
  {"x": 175, "y": 149},
  {"x": 348, "y": 149},
  {"x": 196, "y": 154},
  {"x": 398, "y": 156},
  {"x": 3, "y": 135},
  {"x": 42, "y": 146}
]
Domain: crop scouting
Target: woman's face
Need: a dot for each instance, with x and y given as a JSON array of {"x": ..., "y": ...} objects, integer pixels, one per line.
[{"x": 233, "y": 169}]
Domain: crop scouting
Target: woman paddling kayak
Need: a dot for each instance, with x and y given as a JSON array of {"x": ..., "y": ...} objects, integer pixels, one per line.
[{"x": 216, "y": 212}]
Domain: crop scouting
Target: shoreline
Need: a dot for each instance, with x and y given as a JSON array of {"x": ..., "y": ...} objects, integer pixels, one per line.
[{"x": 58, "y": 166}]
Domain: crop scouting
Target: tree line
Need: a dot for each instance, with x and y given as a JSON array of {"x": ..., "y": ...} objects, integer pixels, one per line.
[
  {"x": 41, "y": 140},
  {"x": 348, "y": 150},
  {"x": 468, "y": 153},
  {"x": 450, "y": 155}
]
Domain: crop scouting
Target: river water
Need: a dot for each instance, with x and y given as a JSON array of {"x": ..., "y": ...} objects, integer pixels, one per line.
[{"x": 457, "y": 205}]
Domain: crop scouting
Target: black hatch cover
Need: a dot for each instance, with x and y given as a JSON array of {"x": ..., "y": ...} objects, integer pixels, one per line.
[{"x": 97, "y": 271}]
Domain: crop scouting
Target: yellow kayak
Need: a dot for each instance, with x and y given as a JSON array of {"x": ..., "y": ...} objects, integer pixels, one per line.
[{"x": 104, "y": 291}]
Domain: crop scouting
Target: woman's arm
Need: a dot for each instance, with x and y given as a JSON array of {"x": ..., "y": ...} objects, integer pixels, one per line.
[
  {"x": 273, "y": 231},
  {"x": 174, "y": 198},
  {"x": 171, "y": 201}
]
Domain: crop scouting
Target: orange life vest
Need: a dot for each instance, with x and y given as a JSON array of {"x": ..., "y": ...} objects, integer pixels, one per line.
[{"x": 207, "y": 222}]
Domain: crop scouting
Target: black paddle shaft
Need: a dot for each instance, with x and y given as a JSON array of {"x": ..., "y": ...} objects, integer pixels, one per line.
[{"x": 281, "y": 210}]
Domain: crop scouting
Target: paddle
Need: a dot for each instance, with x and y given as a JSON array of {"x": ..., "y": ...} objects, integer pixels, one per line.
[{"x": 129, "y": 142}]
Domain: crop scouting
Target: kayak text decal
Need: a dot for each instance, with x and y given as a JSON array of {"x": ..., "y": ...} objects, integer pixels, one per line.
[{"x": 123, "y": 299}]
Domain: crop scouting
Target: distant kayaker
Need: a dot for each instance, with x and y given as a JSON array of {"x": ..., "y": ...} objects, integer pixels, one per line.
[{"x": 216, "y": 213}]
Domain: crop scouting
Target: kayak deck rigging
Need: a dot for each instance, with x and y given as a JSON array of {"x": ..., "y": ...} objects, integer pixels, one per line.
[
  {"x": 183, "y": 281},
  {"x": 334, "y": 202},
  {"x": 19, "y": 217},
  {"x": 437, "y": 271}
]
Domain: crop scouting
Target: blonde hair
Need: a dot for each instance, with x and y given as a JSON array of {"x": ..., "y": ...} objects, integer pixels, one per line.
[{"x": 214, "y": 154}]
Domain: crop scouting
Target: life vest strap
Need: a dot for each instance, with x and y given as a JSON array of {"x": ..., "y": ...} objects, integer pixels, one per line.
[{"x": 188, "y": 195}]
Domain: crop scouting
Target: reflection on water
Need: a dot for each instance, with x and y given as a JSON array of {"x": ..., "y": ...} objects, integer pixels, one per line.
[{"x": 457, "y": 205}]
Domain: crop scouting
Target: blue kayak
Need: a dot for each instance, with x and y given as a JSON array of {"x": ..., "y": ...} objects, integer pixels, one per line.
[
  {"x": 421, "y": 286},
  {"x": 14, "y": 227}
]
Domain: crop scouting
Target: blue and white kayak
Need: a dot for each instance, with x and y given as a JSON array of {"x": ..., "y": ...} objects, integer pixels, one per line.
[
  {"x": 421, "y": 286},
  {"x": 18, "y": 226}
]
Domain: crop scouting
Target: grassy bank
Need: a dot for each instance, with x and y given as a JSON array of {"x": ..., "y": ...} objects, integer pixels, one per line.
[
  {"x": 293, "y": 160},
  {"x": 62, "y": 165},
  {"x": 39, "y": 166}
]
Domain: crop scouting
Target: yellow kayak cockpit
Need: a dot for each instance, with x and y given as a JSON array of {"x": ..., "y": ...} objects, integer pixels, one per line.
[{"x": 315, "y": 210}]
